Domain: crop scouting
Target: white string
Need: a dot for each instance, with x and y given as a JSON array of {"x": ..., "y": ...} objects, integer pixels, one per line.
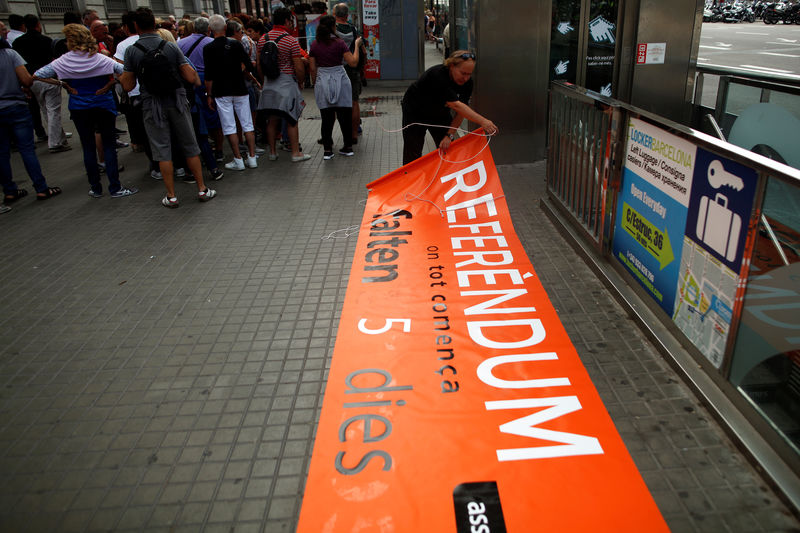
[{"x": 410, "y": 197}]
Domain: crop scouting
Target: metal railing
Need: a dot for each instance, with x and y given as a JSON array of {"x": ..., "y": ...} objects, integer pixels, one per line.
[
  {"x": 585, "y": 167},
  {"x": 582, "y": 137}
]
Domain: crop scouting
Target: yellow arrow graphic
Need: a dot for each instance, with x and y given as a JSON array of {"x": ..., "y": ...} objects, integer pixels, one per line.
[{"x": 648, "y": 235}]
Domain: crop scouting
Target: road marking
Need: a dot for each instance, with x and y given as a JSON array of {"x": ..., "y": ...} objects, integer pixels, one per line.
[
  {"x": 728, "y": 67},
  {"x": 786, "y": 40},
  {"x": 775, "y": 70},
  {"x": 783, "y": 44},
  {"x": 713, "y": 47},
  {"x": 776, "y": 54},
  {"x": 725, "y": 45},
  {"x": 751, "y": 33}
]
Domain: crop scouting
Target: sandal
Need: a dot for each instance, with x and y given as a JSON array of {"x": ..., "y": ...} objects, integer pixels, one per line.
[
  {"x": 16, "y": 195},
  {"x": 49, "y": 193}
]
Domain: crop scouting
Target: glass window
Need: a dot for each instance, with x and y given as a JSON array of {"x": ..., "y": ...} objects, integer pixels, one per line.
[
  {"x": 766, "y": 358},
  {"x": 564, "y": 40},
  {"x": 55, "y": 7},
  {"x": 601, "y": 44}
]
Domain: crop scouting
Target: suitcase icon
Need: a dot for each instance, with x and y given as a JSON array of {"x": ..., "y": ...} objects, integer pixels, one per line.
[{"x": 718, "y": 226}]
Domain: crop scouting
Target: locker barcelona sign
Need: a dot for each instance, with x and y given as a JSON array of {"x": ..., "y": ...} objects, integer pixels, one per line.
[
  {"x": 680, "y": 230},
  {"x": 455, "y": 401}
]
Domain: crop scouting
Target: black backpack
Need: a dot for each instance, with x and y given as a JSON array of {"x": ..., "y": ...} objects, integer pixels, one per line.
[
  {"x": 157, "y": 74},
  {"x": 269, "y": 58}
]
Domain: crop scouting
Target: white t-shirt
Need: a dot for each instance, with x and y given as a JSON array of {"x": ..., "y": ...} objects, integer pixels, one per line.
[{"x": 120, "y": 54}]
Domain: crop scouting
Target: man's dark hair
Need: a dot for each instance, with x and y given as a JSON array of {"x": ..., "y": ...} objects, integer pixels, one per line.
[
  {"x": 127, "y": 21},
  {"x": 30, "y": 22},
  {"x": 70, "y": 17},
  {"x": 145, "y": 19},
  {"x": 16, "y": 22},
  {"x": 281, "y": 15},
  {"x": 257, "y": 26}
]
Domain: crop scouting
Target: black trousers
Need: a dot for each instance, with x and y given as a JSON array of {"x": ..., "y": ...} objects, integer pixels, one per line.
[
  {"x": 414, "y": 135},
  {"x": 36, "y": 114},
  {"x": 345, "y": 117}
]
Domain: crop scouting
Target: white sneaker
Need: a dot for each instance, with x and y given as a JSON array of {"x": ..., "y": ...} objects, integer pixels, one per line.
[
  {"x": 206, "y": 195},
  {"x": 180, "y": 172},
  {"x": 236, "y": 164},
  {"x": 156, "y": 175},
  {"x": 251, "y": 162}
]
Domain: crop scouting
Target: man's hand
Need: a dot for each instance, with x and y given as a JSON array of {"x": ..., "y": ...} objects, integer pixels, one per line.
[
  {"x": 489, "y": 127},
  {"x": 444, "y": 144},
  {"x": 210, "y": 101}
]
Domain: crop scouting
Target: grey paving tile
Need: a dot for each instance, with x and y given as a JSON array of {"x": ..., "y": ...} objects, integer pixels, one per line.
[{"x": 174, "y": 382}]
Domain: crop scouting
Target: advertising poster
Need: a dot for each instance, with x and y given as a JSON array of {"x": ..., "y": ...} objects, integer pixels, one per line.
[
  {"x": 455, "y": 402},
  {"x": 312, "y": 23},
  {"x": 716, "y": 228},
  {"x": 652, "y": 208},
  {"x": 372, "y": 39}
]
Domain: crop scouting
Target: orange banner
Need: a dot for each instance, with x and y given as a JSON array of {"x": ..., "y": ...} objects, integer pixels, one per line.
[{"x": 455, "y": 401}]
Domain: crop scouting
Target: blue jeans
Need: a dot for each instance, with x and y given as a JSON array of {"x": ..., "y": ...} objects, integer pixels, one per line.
[
  {"x": 87, "y": 122},
  {"x": 16, "y": 123}
]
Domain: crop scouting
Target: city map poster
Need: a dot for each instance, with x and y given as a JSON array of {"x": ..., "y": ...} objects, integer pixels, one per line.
[
  {"x": 652, "y": 209},
  {"x": 455, "y": 401},
  {"x": 711, "y": 259}
]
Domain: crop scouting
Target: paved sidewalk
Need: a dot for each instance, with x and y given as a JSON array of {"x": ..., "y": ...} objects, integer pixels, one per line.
[{"x": 162, "y": 370}]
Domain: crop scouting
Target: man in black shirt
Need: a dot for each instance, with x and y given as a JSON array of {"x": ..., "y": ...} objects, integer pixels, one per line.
[
  {"x": 226, "y": 66},
  {"x": 37, "y": 50},
  {"x": 430, "y": 100}
]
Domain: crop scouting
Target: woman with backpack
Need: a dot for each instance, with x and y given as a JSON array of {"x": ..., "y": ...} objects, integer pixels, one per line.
[
  {"x": 332, "y": 87},
  {"x": 88, "y": 76}
]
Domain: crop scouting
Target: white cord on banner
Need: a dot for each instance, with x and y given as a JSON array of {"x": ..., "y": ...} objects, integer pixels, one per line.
[{"x": 410, "y": 197}]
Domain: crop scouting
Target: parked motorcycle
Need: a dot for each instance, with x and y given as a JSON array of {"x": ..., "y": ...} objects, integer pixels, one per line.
[{"x": 774, "y": 12}]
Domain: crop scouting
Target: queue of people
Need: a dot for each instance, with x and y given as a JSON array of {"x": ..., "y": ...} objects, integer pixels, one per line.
[{"x": 220, "y": 78}]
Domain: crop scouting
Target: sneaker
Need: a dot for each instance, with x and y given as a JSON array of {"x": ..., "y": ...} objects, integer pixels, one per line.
[
  {"x": 251, "y": 162},
  {"x": 122, "y": 144},
  {"x": 347, "y": 152},
  {"x": 236, "y": 164},
  {"x": 188, "y": 178},
  {"x": 300, "y": 158},
  {"x": 60, "y": 148},
  {"x": 180, "y": 172},
  {"x": 286, "y": 147},
  {"x": 170, "y": 202},
  {"x": 206, "y": 195},
  {"x": 156, "y": 175},
  {"x": 260, "y": 151},
  {"x": 4, "y": 209},
  {"x": 126, "y": 191},
  {"x": 95, "y": 194},
  {"x": 68, "y": 134},
  {"x": 217, "y": 174},
  {"x": 219, "y": 156},
  {"x": 327, "y": 155}
]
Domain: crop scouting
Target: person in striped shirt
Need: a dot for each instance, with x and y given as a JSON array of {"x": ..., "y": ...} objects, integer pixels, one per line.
[{"x": 281, "y": 97}]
